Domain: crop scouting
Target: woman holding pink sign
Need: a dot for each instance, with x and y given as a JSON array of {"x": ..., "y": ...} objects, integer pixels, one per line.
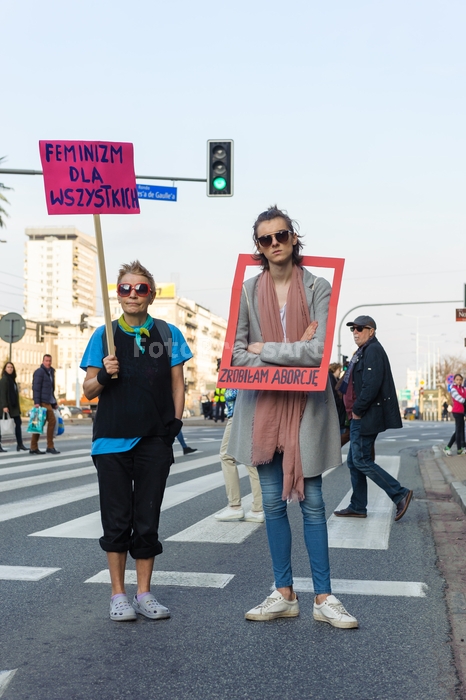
[{"x": 292, "y": 437}]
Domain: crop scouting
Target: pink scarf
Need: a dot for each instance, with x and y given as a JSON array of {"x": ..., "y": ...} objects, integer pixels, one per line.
[{"x": 278, "y": 413}]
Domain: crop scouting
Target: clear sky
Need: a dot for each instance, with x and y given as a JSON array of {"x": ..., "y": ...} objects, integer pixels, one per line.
[{"x": 350, "y": 115}]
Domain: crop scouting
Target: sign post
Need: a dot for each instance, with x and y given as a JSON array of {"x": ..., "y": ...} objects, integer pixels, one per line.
[
  {"x": 91, "y": 177},
  {"x": 12, "y": 329}
]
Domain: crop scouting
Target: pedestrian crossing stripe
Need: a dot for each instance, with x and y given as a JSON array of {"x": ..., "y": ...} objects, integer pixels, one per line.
[
  {"x": 25, "y": 573},
  {"x": 372, "y": 532},
  {"x": 13, "y": 458},
  {"x": 193, "y": 579},
  {"x": 89, "y": 526},
  {"x": 409, "y": 589},
  {"x": 5, "y": 679},
  {"x": 211, "y": 530}
]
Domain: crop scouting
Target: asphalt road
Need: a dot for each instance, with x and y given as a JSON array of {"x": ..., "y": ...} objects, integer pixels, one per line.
[{"x": 56, "y": 633}]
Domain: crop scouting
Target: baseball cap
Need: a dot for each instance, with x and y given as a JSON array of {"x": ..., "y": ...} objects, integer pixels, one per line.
[{"x": 363, "y": 321}]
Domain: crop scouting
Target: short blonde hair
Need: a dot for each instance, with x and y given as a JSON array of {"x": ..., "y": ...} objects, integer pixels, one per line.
[{"x": 135, "y": 268}]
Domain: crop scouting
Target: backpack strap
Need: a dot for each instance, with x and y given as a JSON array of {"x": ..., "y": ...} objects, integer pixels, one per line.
[
  {"x": 166, "y": 334},
  {"x": 162, "y": 327}
]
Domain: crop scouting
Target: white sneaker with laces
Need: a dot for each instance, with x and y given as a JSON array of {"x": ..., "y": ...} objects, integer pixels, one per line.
[
  {"x": 447, "y": 451},
  {"x": 255, "y": 516},
  {"x": 274, "y": 606},
  {"x": 230, "y": 514},
  {"x": 333, "y": 612}
]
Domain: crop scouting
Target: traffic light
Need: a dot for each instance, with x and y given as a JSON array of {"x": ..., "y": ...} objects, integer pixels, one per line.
[
  {"x": 220, "y": 168},
  {"x": 83, "y": 323},
  {"x": 40, "y": 332},
  {"x": 344, "y": 361}
]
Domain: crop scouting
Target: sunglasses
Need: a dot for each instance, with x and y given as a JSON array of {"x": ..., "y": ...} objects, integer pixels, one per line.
[
  {"x": 142, "y": 289},
  {"x": 280, "y": 237},
  {"x": 359, "y": 329}
]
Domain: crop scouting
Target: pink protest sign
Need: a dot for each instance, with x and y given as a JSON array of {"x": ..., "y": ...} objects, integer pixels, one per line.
[{"x": 89, "y": 177}]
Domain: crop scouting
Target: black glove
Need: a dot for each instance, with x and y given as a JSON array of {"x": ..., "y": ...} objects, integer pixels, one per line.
[{"x": 173, "y": 429}]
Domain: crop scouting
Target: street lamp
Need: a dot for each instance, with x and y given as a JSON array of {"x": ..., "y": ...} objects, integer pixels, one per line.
[{"x": 417, "y": 340}]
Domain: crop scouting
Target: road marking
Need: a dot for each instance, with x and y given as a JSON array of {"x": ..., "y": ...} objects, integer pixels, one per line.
[
  {"x": 32, "y": 459},
  {"x": 89, "y": 526},
  {"x": 17, "y": 509},
  {"x": 372, "y": 532},
  {"x": 36, "y": 467},
  {"x": 28, "y": 481},
  {"x": 171, "y": 578},
  {"x": 5, "y": 679},
  {"x": 211, "y": 530},
  {"x": 409, "y": 589},
  {"x": 25, "y": 573}
]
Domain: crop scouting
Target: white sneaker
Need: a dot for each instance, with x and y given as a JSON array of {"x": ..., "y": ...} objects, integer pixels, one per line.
[
  {"x": 255, "y": 516},
  {"x": 447, "y": 451},
  {"x": 274, "y": 606},
  {"x": 333, "y": 612},
  {"x": 230, "y": 514}
]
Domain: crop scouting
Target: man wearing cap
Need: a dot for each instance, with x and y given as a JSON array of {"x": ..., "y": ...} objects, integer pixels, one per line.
[{"x": 370, "y": 399}]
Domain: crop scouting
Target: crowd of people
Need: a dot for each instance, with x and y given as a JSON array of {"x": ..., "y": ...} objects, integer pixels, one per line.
[{"x": 287, "y": 439}]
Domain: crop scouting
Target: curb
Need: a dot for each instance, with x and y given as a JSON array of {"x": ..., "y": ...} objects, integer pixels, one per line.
[{"x": 457, "y": 488}]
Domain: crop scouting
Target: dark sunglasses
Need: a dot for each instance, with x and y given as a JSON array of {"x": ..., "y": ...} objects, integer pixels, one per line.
[
  {"x": 280, "y": 237},
  {"x": 359, "y": 329},
  {"x": 142, "y": 289}
]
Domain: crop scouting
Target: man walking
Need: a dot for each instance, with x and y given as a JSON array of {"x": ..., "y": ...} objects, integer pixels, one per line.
[
  {"x": 370, "y": 399},
  {"x": 43, "y": 392}
]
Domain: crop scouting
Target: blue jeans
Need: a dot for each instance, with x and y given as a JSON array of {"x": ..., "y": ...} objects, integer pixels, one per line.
[
  {"x": 361, "y": 466},
  {"x": 181, "y": 440},
  {"x": 279, "y": 531}
]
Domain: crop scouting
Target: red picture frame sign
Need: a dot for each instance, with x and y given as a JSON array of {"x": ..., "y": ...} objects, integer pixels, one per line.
[{"x": 274, "y": 377}]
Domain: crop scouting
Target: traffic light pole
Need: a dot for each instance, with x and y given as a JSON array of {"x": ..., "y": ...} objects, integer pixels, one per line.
[
  {"x": 14, "y": 171},
  {"x": 391, "y": 303}
]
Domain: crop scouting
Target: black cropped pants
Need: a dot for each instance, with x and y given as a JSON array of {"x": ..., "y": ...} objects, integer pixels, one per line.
[{"x": 131, "y": 488}]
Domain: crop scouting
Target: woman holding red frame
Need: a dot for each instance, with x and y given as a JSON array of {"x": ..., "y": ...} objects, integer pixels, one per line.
[{"x": 291, "y": 437}]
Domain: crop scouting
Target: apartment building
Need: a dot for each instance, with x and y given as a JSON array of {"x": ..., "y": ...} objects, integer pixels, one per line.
[{"x": 60, "y": 274}]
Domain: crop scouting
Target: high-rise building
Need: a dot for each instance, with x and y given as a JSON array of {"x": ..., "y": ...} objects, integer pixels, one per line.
[{"x": 60, "y": 274}]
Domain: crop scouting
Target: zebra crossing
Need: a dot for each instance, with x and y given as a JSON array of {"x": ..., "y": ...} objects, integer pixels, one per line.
[{"x": 18, "y": 472}]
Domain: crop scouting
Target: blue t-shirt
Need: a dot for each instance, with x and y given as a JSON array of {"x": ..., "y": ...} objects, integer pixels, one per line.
[{"x": 93, "y": 357}]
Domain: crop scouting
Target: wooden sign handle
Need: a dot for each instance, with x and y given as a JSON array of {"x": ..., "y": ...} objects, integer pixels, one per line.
[{"x": 104, "y": 286}]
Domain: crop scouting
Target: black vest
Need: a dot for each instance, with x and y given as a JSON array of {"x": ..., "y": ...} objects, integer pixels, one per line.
[{"x": 139, "y": 403}]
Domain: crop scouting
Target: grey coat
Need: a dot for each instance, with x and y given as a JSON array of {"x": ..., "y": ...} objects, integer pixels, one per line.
[{"x": 319, "y": 434}]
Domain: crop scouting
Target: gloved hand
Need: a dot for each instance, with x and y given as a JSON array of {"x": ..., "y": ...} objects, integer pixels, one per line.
[{"x": 173, "y": 429}]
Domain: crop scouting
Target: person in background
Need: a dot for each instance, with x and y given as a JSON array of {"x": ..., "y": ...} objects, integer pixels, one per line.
[
  {"x": 291, "y": 436},
  {"x": 444, "y": 411},
  {"x": 458, "y": 396},
  {"x": 334, "y": 372},
  {"x": 186, "y": 449},
  {"x": 219, "y": 400},
  {"x": 43, "y": 392},
  {"x": 235, "y": 510},
  {"x": 138, "y": 418},
  {"x": 9, "y": 402},
  {"x": 370, "y": 399}
]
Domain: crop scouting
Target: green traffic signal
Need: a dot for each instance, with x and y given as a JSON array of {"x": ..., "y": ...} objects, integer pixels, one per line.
[{"x": 219, "y": 183}]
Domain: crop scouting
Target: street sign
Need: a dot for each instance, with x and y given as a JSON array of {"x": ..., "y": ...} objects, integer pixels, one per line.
[
  {"x": 12, "y": 327},
  {"x": 405, "y": 394},
  {"x": 167, "y": 194},
  {"x": 461, "y": 314}
]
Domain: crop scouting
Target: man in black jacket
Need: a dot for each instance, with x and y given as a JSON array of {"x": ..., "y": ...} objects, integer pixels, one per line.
[
  {"x": 370, "y": 400},
  {"x": 43, "y": 392}
]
